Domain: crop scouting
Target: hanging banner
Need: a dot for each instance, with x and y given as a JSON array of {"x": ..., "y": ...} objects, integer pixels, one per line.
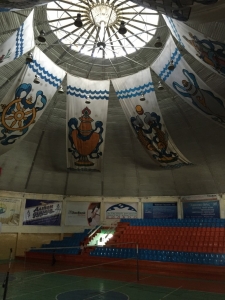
[
  {"x": 10, "y": 5},
  {"x": 9, "y": 211},
  {"x": 186, "y": 83},
  {"x": 210, "y": 53},
  {"x": 87, "y": 103},
  {"x": 145, "y": 118},
  {"x": 42, "y": 212},
  {"x": 121, "y": 211},
  {"x": 27, "y": 99},
  {"x": 160, "y": 210},
  {"x": 19, "y": 43},
  {"x": 83, "y": 213}
]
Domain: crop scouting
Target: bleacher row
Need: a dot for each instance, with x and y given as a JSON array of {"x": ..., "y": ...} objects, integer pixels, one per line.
[
  {"x": 195, "y": 239},
  {"x": 199, "y": 241},
  {"x": 73, "y": 241},
  {"x": 164, "y": 256},
  {"x": 198, "y": 222}
]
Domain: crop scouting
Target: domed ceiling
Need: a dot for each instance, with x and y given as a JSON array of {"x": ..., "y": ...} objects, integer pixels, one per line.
[{"x": 38, "y": 163}]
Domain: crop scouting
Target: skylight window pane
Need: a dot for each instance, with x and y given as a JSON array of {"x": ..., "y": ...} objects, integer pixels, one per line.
[{"x": 102, "y": 15}]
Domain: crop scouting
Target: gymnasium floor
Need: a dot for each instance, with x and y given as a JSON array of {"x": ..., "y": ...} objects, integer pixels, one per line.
[{"x": 40, "y": 281}]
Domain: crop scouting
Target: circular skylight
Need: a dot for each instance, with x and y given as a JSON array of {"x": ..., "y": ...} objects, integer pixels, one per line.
[{"x": 99, "y": 35}]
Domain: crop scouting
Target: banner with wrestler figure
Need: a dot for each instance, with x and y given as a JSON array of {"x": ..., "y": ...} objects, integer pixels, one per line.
[{"x": 146, "y": 119}]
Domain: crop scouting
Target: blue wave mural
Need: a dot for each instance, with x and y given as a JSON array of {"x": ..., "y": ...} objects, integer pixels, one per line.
[
  {"x": 83, "y": 93},
  {"x": 175, "y": 31},
  {"x": 19, "y": 42},
  {"x": 44, "y": 74},
  {"x": 165, "y": 73},
  {"x": 136, "y": 91}
]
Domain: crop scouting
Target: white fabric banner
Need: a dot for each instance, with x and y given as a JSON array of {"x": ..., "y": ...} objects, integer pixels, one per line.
[
  {"x": 121, "y": 210},
  {"x": 209, "y": 52},
  {"x": 85, "y": 142},
  {"x": 19, "y": 43},
  {"x": 186, "y": 83},
  {"x": 83, "y": 213},
  {"x": 26, "y": 100},
  {"x": 10, "y": 211},
  {"x": 146, "y": 119}
]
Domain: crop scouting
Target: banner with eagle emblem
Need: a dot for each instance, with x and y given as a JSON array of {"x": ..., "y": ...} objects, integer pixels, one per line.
[
  {"x": 209, "y": 52},
  {"x": 19, "y": 43},
  {"x": 87, "y": 106},
  {"x": 187, "y": 84},
  {"x": 28, "y": 98},
  {"x": 145, "y": 118}
]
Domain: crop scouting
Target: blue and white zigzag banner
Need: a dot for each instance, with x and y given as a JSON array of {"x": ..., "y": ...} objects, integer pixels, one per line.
[
  {"x": 186, "y": 83},
  {"x": 26, "y": 100},
  {"x": 209, "y": 52},
  {"x": 146, "y": 120},
  {"x": 87, "y": 106},
  {"x": 19, "y": 43}
]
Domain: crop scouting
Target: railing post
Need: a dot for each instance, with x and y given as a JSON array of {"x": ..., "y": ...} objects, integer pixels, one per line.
[{"x": 137, "y": 262}]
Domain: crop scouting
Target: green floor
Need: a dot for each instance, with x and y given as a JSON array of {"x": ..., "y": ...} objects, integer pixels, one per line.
[{"x": 32, "y": 285}]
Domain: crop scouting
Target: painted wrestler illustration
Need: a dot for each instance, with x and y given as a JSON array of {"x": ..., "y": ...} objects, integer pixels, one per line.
[
  {"x": 204, "y": 100},
  {"x": 153, "y": 138},
  {"x": 211, "y": 52}
]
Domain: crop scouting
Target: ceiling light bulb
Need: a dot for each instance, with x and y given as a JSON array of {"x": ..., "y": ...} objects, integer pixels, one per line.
[
  {"x": 88, "y": 100},
  {"x": 37, "y": 79},
  {"x": 60, "y": 90},
  {"x": 160, "y": 86},
  {"x": 29, "y": 58},
  {"x": 142, "y": 97},
  {"x": 41, "y": 38},
  {"x": 171, "y": 66},
  {"x": 122, "y": 29},
  {"x": 158, "y": 42},
  {"x": 78, "y": 23}
]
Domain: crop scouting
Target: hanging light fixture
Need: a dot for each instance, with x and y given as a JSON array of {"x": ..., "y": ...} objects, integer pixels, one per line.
[
  {"x": 37, "y": 79},
  {"x": 142, "y": 97},
  {"x": 78, "y": 23},
  {"x": 29, "y": 58},
  {"x": 171, "y": 66},
  {"x": 41, "y": 37},
  {"x": 122, "y": 29},
  {"x": 60, "y": 90},
  {"x": 88, "y": 100},
  {"x": 158, "y": 42},
  {"x": 160, "y": 86}
]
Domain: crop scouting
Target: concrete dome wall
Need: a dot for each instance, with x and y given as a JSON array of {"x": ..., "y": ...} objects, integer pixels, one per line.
[{"x": 38, "y": 163}]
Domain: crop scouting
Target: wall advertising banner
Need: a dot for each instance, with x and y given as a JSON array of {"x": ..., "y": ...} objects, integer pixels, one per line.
[
  {"x": 201, "y": 206},
  {"x": 42, "y": 212},
  {"x": 160, "y": 210},
  {"x": 83, "y": 213},
  {"x": 9, "y": 211},
  {"x": 121, "y": 210}
]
